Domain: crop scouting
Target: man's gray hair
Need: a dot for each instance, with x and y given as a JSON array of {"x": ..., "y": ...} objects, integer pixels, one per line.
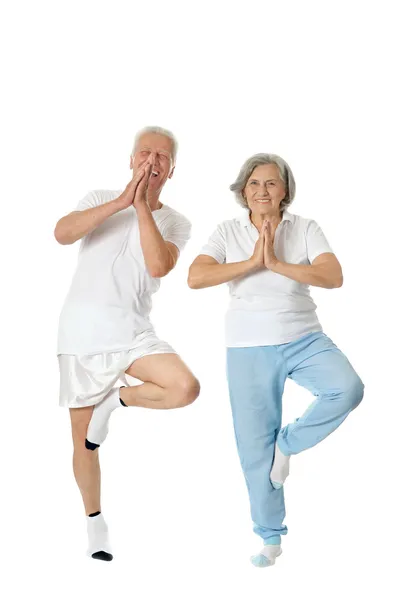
[
  {"x": 265, "y": 159},
  {"x": 158, "y": 131}
]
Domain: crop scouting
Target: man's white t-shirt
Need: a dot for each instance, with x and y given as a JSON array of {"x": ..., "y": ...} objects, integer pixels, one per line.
[
  {"x": 267, "y": 308},
  {"x": 109, "y": 301}
]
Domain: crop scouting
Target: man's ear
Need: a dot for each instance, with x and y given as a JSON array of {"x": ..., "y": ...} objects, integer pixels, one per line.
[
  {"x": 171, "y": 173},
  {"x": 131, "y": 162}
]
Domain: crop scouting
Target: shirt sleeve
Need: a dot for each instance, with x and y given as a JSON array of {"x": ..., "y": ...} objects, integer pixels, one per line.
[
  {"x": 216, "y": 246},
  {"x": 91, "y": 200},
  {"x": 316, "y": 241},
  {"x": 178, "y": 232}
]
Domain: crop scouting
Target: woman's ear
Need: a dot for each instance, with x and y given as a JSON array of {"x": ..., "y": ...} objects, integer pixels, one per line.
[{"x": 131, "y": 162}]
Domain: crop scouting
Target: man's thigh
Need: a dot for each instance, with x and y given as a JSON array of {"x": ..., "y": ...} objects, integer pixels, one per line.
[{"x": 165, "y": 370}]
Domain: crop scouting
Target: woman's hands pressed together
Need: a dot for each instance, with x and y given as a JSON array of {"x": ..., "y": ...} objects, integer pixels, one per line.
[{"x": 263, "y": 255}]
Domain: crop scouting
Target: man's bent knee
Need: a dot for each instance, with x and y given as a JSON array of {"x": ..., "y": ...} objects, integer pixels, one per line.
[{"x": 184, "y": 392}]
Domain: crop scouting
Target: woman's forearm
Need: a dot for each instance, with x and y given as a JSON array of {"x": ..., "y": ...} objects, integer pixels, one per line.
[
  {"x": 318, "y": 275},
  {"x": 79, "y": 223},
  {"x": 206, "y": 275}
]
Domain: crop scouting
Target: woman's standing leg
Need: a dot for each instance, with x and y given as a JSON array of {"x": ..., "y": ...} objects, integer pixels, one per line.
[{"x": 256, "y": 378}]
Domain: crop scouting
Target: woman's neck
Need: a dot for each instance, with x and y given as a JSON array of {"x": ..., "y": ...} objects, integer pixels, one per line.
[{"x": 257, "y": 220}]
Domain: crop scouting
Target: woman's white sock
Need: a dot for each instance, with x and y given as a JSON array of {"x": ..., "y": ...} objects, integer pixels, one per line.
[
  {"x": 280, "y": 469},
  {"x": 97, "y": 531},
  {"x": 97, "y": 430},
  {"x": 267, "y": 556}
]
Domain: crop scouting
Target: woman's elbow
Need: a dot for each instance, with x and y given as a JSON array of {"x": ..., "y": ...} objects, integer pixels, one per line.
[
  {"x": 340, "y": 282},
  {"x": 192, "y": 283}
]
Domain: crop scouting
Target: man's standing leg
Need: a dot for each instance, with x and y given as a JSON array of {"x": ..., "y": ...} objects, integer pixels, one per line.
[{"x": 86, "y": 468}]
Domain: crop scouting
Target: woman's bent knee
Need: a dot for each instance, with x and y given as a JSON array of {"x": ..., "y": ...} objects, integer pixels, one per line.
[{"x": 355, "y": 393}]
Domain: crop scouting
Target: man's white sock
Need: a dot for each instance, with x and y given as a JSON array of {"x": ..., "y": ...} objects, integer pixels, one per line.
[
  {"x": 97, "y": 532},
  {"x": 280, "y": 469},
  {"x": 97, "y": 430}
]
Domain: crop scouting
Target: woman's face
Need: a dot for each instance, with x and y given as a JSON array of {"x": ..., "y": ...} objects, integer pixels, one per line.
[{"x": 264, "y": 190}]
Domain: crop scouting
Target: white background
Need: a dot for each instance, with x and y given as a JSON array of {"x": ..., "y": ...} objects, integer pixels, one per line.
[{"x": 312, "y": 81}]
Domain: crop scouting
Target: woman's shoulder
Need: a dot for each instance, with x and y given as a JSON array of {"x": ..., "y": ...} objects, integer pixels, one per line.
[
  {"x": 235, "y": 222},
  {"x": 298, "y": 220}
]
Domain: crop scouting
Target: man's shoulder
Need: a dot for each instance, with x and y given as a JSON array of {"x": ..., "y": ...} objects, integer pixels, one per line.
[
  {"x": 167, "y": 213},
  {"x": 104, "y": 196}
]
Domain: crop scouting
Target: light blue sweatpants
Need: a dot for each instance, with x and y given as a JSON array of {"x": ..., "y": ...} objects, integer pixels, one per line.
[{"x": 256, "y": 378}]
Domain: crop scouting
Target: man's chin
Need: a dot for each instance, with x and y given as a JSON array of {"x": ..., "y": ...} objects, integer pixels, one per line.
[{"x": 155, "y": 184}]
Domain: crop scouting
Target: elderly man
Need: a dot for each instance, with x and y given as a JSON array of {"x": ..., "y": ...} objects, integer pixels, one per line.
[{"x": 129, "y": 241}]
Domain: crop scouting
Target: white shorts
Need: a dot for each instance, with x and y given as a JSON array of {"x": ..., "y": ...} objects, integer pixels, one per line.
[{"x": 86, "y": 380}]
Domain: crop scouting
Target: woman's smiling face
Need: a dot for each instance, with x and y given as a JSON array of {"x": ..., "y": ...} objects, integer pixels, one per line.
[{"x": 264, "y": 190}]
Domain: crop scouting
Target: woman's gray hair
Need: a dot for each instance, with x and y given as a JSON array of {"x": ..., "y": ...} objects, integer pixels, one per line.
[
  {"x": 264, "y": 159},
  {"x": 158, "y": 131}
]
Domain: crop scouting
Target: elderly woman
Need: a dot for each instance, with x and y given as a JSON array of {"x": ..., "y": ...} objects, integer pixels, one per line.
[{"x": 269, "y": 257}]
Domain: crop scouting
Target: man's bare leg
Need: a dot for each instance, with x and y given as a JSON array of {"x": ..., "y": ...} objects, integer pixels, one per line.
[
  {"x": 86, "y": 468},
  {"x": 86, "y": 464},
  {"x": 168, "y": 383}
]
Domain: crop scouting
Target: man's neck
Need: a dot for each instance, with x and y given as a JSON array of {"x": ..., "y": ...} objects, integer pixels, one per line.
[{"x": 154, "y": 202}]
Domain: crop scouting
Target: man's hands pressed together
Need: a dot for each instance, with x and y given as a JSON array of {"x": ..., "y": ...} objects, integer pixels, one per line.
[{"x": 136, "y": 191}]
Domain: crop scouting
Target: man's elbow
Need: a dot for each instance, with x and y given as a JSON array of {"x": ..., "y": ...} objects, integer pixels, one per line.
[
  {"x": 157, "y": 272},
  {"x": 160, "y": 270},
  {"x": 336, "y": 283},
  {"x": 62, "y": 237}
]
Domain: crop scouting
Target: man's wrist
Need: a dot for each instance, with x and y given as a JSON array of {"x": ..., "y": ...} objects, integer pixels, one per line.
[
  {"x": 142, "y": 207},
  {"x": 117, "y": 204}
]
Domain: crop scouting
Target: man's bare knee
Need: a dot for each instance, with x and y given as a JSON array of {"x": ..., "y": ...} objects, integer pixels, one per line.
[{"x": 184, "y": 392}]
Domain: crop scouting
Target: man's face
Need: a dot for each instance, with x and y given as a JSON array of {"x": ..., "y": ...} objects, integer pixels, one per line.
[
  {"x": 159, "y": 148},
  {"x": 264, "y": 190}
]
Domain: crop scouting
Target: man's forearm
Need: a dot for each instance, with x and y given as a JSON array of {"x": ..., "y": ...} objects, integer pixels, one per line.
[
  {"x": 77, "y": 224},
  {"x": 158, "y": 259},
  {"x": 317, "y": 275}
]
